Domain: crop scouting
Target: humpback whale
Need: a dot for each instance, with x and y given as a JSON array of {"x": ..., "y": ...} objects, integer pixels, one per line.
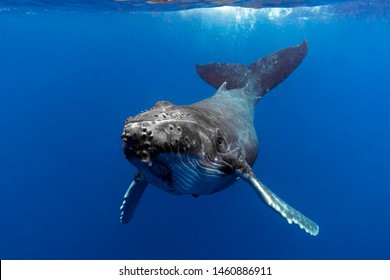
[{"x": 205, "y": 147}]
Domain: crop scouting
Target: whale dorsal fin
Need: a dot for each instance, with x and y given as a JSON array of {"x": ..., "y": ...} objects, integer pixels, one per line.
[
  {"x": 262, "y": 75},
  {"x": 222, "y": 88}
]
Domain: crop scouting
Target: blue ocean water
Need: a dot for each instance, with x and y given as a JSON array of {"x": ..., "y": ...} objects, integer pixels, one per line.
[{"x": 70, "y": 77}]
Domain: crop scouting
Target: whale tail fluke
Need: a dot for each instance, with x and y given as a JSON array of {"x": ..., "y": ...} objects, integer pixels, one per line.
[{"x": 262, "y": 75}]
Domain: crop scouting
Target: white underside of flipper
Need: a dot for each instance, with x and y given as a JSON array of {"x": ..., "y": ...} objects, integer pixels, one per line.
[
  {"x": 132, "y": 197},
  {"x": 289, "y": 213}
]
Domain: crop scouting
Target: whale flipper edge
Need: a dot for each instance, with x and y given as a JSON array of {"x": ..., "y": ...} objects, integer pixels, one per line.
[
  {"x": 276, "y": 203},
  {"x": 132, "y": 197}
]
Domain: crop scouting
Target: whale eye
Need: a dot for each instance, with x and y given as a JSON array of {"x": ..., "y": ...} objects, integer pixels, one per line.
[{"x": 220, "y": 142}]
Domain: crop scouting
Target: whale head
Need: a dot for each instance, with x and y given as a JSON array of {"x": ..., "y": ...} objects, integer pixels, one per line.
[
  {"x": 167, "y": 128},
  {"x": 169, "y": 143}
]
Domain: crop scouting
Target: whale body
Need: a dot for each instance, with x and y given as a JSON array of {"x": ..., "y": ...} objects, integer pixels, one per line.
[{"x": 207, "y": 146}]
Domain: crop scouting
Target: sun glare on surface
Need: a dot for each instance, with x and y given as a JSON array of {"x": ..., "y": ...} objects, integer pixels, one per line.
[{"x": 246, "y": 18}]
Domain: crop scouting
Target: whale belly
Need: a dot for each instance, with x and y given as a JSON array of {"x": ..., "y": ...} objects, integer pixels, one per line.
[{"x": 185, "y": 173}]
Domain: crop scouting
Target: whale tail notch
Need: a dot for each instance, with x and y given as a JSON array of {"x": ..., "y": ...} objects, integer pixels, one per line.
[{"x": 262, "y": 75}]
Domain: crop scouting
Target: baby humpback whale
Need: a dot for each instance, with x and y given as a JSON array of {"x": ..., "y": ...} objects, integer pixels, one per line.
[{"x": 205, "y": 147}]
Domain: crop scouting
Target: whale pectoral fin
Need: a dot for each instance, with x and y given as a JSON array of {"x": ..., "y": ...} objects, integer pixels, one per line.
[
  {"x": 289, "y": 213},
  {"x": 131, "y": 198}
]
